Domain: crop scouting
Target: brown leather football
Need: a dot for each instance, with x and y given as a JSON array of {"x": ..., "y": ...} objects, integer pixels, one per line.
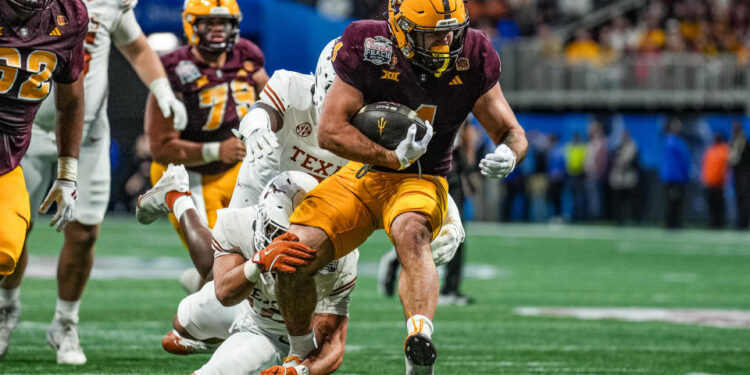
[{"x": 386, "y": 123}]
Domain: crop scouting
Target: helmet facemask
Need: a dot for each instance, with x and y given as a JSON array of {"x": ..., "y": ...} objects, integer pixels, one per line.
[
  {"x": 435, "y": 59},
  {"x": 266, "y": 228},
  {"x": 204, "y": 26}
]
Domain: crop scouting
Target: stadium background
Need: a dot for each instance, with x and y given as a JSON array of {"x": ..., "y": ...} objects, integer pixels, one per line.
[
  {"x": 679, "y": 300},
  {"x": 557, "y": 88}
]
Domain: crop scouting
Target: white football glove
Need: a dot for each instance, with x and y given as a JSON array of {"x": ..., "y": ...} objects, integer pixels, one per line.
[
  {"x": 255, "y": 131},
  {"x": 64, "y": 193},
  {"x": 445, "y": 245},
  {"x": 168, "y": 103},
  {"x": 409, "y": 150},
  {"x": 498, "y": 164}
]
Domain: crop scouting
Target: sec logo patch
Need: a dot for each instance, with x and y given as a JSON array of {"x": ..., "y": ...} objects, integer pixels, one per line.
[{"x": 304, "y": 129}]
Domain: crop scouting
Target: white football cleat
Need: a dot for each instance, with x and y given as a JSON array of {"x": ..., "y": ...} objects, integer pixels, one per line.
[
  {"x": 153, "y": 205},
  {"x": 8, "y": 320},
  {"x": 420, "y": 354},
  {"x": 62, "y": 336}
]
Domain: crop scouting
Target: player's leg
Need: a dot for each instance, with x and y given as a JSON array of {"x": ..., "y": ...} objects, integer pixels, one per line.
[
  {"x": 412, "y": 219},
  {"x": 77, "y": 253},
  {"x": 387, "y": 271},
  {"x": 170, "y": 196},
  {"x": 334, "y": 221},
  {"x": 14, "y": 214},
  {"x": 201, "y": 322},
  {"x": 244, "y": 352}
]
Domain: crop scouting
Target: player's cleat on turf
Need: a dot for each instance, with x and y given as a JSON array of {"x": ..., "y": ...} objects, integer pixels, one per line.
[
  {"x": 173, "y": 343},
  {"x": 387, "y": 272},
  {"x": 456, "y": 299},
  {"x": 420, "y": 354},
  {"x": 8, "y": 320},
  {"x": 153, "y": 204},
  {"x": 62, "y": 336}
]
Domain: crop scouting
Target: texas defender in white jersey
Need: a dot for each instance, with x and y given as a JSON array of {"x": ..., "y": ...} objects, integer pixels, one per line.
[
  {"x": 110, "y": 21},
  {"x": 239, "y": 305},
  {"x": 287, "y": 102}
]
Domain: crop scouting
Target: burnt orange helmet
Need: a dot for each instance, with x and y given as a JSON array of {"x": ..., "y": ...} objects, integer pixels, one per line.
[
  {"x": 197, "y": 10},
  {"x": 409, "y": 22}
]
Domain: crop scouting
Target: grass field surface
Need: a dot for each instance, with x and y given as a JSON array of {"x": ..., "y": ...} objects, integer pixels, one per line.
[{"x": 512, "y": 269}]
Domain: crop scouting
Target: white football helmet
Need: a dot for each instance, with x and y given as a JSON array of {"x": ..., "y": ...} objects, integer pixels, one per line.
[
  {"x": 324, "y": 75},
  {"x": 277, "y": 202}
]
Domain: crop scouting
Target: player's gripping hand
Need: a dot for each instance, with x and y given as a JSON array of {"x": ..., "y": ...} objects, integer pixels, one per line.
[
  {"x": 168, "y": 103},
  {"x": 232, "y": 150},
  {"x": 281, "y": 370},
  {"x": 446, "y": 243},
  {"x": 284, "y": 254},
  {"x": 63, "y": 192},
  {"x": 409, "y": 150},
  {"x": 261, "y": 142},
  {"x": 498, "y": 164}
]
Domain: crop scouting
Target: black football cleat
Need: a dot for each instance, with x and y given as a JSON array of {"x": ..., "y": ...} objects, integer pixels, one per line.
[{"x": 420, "y": 354}]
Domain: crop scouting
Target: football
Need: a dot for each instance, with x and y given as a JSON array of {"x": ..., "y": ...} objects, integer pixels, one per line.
[{"x": 386, "y": 123}]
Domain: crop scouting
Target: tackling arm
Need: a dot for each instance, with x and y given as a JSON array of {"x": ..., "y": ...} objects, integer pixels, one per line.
[
  {"x": 230, "y": 283},
  {"x": 330, "y": 330},
  {"x": 497, "y": 118},
  {"x": 338, "y": 135}
]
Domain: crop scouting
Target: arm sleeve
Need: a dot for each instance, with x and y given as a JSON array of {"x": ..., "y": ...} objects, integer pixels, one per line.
[
  {"x": 222, "y": 242},
  {"x": 491, "y": 65},
  {"x": 347, "y": 60},
  {"x": 73, "y": 68},
  {"x": 127, "y": 29}
]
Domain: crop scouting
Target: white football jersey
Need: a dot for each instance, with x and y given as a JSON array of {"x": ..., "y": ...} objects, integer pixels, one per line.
[
  {"x": 290, "y": 94},
  {"x": 109, "y": 21},
  {"x": 233, "y": 233}
]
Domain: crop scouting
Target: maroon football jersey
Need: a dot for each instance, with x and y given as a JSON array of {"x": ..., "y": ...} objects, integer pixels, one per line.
[
  {"x": 46, "y": 46},
  {"x": 216, "y": 99},
  {"x": 369, "y": 60}
]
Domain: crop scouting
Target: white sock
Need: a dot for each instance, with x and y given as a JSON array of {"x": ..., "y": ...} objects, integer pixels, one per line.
[
  {"x": 182, "y": 204},
  {"x": 67, "y": 309},
  {"x": 9, "y": 296},
  {"x": 300, "y": 347},
  {"x": 419, "y": 323}
]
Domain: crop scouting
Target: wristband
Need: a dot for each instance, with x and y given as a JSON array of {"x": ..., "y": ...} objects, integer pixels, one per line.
[
  {"x": 256, "y": 119},
  {"x": 67, "y": 168},
  {"x": 160, "y": 88},
  {"x": 252, "y": 272},
  {"x": 302, "y": 370},
  {"x": 210, "y": 151}
]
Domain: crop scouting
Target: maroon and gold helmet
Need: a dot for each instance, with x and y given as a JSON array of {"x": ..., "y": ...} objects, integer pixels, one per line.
[{"x": 31, "y": 5}]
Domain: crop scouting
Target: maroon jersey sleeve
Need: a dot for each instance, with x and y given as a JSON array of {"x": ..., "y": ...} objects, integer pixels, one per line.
[
  {"x": 491, "y": 62},
  {"x": 79, "y": 23},
  {"x": 252, "y": 57},
  {"x": 347, "y": 61}
]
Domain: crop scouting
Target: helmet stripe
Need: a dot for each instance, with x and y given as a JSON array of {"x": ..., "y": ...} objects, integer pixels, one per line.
[{"x": 447, "y": 9}]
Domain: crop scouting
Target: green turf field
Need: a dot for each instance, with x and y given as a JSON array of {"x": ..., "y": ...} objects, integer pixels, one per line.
[{"x": 122, "y": 321}]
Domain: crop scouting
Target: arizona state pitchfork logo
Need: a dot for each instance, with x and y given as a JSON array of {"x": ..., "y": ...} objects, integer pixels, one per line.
[{"x": 381, "y": 125}]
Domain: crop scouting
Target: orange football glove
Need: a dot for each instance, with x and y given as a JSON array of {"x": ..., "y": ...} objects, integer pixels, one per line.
[
  {"x": 284, "y": 254},
  {"x": 279, "y": 370}
]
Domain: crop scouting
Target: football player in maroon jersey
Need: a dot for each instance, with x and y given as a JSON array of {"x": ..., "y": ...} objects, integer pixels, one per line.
[{"x": 427, "y": 58}]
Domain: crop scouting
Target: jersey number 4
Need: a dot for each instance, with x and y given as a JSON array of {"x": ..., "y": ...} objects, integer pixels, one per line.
[
  {"x": 216, "y": 98},
  {"x": 40, "y": 63}
]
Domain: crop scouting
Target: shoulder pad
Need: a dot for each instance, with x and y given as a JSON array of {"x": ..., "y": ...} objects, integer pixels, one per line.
[{"x": 288, "y": 89}]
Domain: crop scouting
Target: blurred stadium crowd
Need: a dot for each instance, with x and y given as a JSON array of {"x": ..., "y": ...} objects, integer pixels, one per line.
[{"x": 595, "y": 174}]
